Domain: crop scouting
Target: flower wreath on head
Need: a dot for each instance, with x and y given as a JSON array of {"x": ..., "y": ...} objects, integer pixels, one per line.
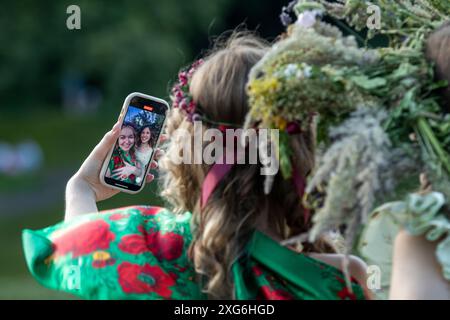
[
  {"x": 183, "y": 100},
  {"x": 368, "y": 102}
]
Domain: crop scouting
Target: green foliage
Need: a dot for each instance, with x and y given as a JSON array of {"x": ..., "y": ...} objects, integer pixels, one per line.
[
  {"x": 400, "y": 20},
  {"x": 285, "y": 153},
  {"x": 314, "y": 68},
  {"x": 122, "y": 46}
]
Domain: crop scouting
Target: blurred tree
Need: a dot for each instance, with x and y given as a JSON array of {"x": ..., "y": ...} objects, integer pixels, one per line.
[
  {"x": 122, "y": 46},
  {"x": 262, "y": 16}
]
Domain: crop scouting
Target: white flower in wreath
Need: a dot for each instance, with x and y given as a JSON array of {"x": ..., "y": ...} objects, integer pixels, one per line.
[
  {"x": 306, "y": 71},
  {"x": 308, "y": 18},
  {"x": 291, "y": 70}
]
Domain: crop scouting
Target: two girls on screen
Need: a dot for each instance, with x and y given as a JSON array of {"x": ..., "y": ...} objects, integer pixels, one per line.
[{"x": 131, "y": 154}]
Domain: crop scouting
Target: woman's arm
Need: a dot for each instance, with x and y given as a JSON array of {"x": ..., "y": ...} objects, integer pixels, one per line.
[
  {"x": 84, "y": 189},
  {"x": 80, "y": 198},
  {"x": 416, "y": 274}
]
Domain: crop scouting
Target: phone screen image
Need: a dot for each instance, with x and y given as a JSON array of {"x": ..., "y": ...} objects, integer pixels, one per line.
[{"x": 136, "y": 144}]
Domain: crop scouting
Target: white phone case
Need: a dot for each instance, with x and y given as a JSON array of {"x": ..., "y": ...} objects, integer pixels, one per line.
[{"x": 121, "y": 118}]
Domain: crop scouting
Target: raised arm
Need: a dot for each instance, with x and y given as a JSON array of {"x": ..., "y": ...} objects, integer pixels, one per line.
[
  {"x": 84, "y": 189},
  {"x": 416, "y": 274}
]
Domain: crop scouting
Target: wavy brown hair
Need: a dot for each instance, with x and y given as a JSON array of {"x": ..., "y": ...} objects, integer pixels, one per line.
[
  {"x": 238, "y": 205},
  {"x": 133, "y": 148},
  {"x": 150, "y": 142}
]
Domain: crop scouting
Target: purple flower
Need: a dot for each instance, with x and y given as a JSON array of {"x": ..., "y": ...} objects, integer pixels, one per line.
[
  {"x": 285, "y": 19},
  {"x": 191, "y": 106},
  {"x": 179, "y": 94},
  {"x": 183, "y": 78},
  {"x": 197, "y": 63},
  {"x": 180, "y": 91},
  {"x": 176, "y": 88},
  {"x": 183, "y": 104},
  {"x": 194, "y": 67}
]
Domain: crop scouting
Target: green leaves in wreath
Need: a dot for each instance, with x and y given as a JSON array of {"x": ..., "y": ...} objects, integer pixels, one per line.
[
  {"x": 285, "y": 153},
  {"x": 368, "y": 83}
]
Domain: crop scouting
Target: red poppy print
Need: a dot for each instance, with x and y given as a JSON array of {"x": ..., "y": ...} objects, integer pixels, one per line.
[
  {"x": 134, "y": 244},
  {"x": 164, "y": 246},
  {"x": 345, "y": 294},
  {"x": 257, "y": 271},
  {"x": 83, "y": 239},
  {"x": 180, "y": 268},
  {"x": 173, "y": 275},
  {"x": 266, "y": 293},
  {"x": 138, "y": 279},
  {"x": 117, "y": 161},
  {"x": 118, "y": 216},
  {"x": 341, "y": 280},
  {"x": 150, "y": 211},
  {"x": 141, "y": 229}
]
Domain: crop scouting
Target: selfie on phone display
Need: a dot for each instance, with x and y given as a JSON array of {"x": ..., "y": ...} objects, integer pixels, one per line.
[{"x": 135, "y": 145}]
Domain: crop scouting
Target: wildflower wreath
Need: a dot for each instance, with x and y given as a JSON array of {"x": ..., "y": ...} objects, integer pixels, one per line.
[{"x": 379, "y": 124}]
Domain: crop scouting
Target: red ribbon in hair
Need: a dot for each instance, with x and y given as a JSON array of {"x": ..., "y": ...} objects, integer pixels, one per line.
[{"x": 219, "y": 170}]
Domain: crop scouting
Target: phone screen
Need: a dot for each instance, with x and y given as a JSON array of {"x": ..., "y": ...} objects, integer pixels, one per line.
[{"x": 136, "y": 145}]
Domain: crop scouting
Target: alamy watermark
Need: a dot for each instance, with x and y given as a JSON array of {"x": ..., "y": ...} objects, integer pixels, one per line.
[
  {"x": 373, "y": 277},
  {"x": 374, "y": 20},
  {"x": 73, "y": 21},
  {"x": 234, "y": 146},
  {"x": 73, "y": 277}
]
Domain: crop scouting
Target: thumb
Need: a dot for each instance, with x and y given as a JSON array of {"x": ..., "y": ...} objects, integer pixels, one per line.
[{"x": 104, "y": 146}]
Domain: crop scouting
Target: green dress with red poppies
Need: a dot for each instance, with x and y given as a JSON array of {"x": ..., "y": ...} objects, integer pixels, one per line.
[{"x": 140, "y": 252}]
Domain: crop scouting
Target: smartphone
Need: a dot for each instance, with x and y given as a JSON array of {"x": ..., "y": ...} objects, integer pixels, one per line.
[{"x": 128, "y": 162}]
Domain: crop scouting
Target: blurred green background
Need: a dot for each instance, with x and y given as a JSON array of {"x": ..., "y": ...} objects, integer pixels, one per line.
[{"x": 63, "y": 89}]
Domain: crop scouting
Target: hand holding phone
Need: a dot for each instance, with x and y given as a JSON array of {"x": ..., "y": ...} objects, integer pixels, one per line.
[
  {"x": 127, "y": 164},
  {"x": 85, "y": 187}
]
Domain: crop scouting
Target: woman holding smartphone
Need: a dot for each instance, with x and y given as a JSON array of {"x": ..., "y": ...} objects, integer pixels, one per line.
[
  {"x": 223, "y": 236},
  {"x": 200, "y": 247}
]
